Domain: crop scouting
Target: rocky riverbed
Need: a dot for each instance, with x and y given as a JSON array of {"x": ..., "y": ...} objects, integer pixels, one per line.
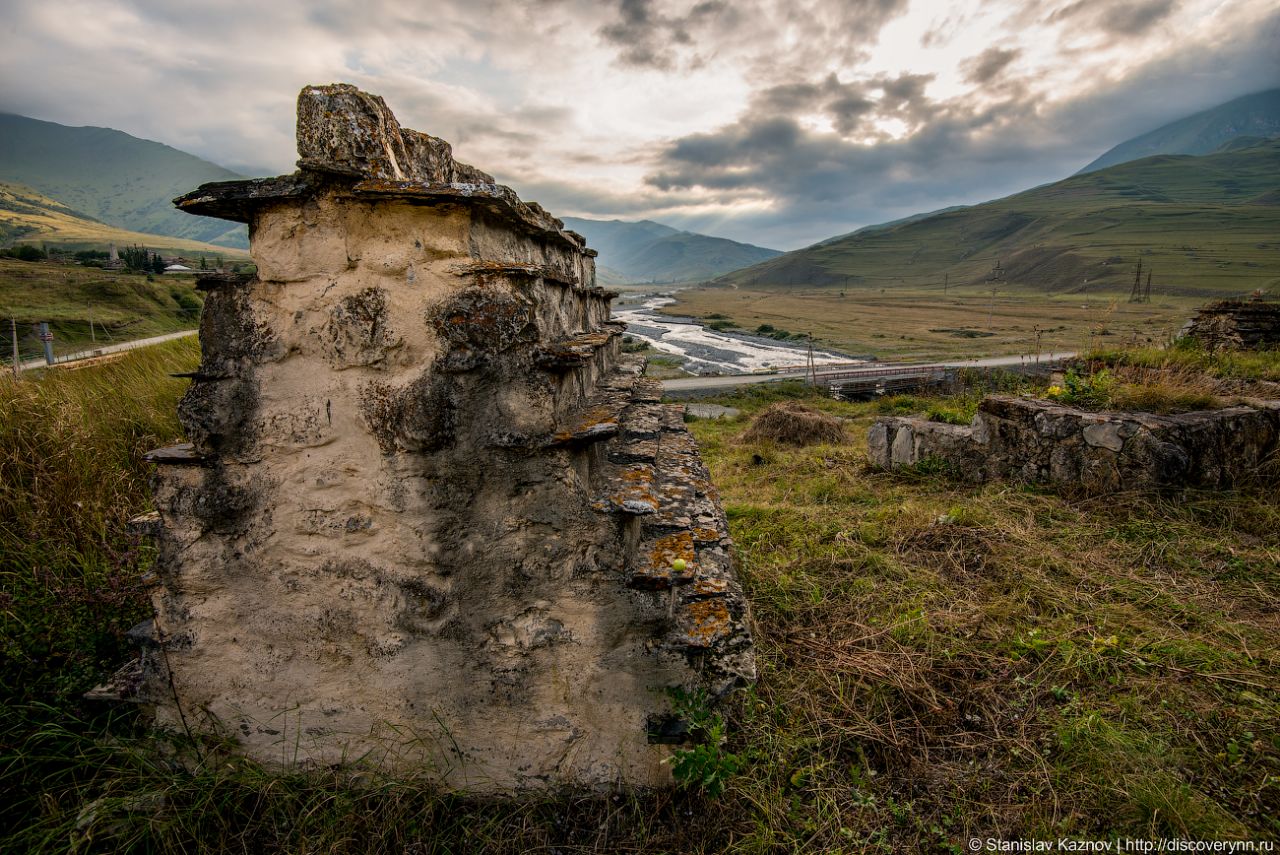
[{"x": 706, "y": 351}]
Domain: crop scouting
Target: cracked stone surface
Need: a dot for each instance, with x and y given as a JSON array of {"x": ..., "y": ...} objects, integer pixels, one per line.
[
  {"x": 428, "y": 511},
  {"x": 1032, "y": 440}
]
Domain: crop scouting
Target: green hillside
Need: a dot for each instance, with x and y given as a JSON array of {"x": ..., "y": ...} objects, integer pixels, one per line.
[
  {"x": 1255, "y": 115},
  {"x": 646, "y": 251},
  {"x": 32, "y": 218},
  {"x": 1206, "y": 225},
  {"x": 118, "y": 179}
]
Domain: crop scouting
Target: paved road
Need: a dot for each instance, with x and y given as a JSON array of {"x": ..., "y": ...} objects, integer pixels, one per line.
[
  {"x": 690, "y": 384},
  {"x": 107, "y": 348}
]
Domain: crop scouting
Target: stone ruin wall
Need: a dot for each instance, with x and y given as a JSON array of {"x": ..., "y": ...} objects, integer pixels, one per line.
[
  {"x": 1234, "y": 325},
  {"x": 428, "y": 515},
  {"x": 1041, "y": 441}
]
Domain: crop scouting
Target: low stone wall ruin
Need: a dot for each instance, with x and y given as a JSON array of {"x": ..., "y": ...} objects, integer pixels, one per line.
[
  {"x": 1034, "y": 440},
  {"x": 428, "y": 518},
  {"x": 1234, "y": 325}
]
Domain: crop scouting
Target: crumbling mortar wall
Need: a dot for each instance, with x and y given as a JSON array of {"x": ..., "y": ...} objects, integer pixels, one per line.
[
  {"x": 1034, "y": 440},
  {"x": 406, "y": 532}
]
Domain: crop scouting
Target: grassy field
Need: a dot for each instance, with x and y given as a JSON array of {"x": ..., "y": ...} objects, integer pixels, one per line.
[
  {"x": 939, "y": 661},
  {"x": 924, "y": 324},
  {"x": 122, "y": 306}
]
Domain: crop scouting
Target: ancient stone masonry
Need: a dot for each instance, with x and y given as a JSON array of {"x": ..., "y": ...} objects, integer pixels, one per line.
[
  {"x": 428, "y": 519},
  {"x": 1033, "y": 440},
  {"x": 1232, "y": 325}
]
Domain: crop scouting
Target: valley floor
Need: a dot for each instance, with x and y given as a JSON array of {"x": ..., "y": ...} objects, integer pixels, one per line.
[
  {"x": 923, "y": 324},
  {"x": 939, "y": 661}
]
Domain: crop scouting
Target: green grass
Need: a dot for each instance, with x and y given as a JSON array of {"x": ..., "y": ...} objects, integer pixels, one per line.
[
  {"x": 1248, "y": 365},
  {"x": 938, "y": 661},
  {"x": 122, "y": 306}
]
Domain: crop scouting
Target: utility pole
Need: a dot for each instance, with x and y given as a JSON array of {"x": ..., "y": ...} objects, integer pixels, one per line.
[
  {"x": 1146, "y": 295},
  {"x": 813, "y": 369},
  {"x": 46, "y": 337},
  {"x": 17, "y": 361},
  {"x": 1135, "y": 293},
  {"x": 946, "y": 280},
  {"x": 93, "y": 339},
  {"x": 997, "y": 274}
]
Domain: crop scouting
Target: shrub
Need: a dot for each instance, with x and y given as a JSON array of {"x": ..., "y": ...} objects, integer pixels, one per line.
[{"x": 794, "y": 424}]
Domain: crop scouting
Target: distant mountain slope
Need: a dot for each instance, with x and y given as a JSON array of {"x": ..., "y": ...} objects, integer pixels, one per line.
[
  {"x": 26, "y": 216},
  {"x": 877, "y": 227},
  {"x": 1206, "y": 224},
  {"x": 116, "y": 178},
  {"x": 646, "y": 251},
  {"x": 1255, "y": 115}
]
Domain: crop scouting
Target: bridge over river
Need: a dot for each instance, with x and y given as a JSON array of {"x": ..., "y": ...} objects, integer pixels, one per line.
[{"x": 853, "y": 373}]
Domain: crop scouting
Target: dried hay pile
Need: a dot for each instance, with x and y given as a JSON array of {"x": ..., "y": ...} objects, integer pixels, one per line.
[{"x": 794, "y": 424}]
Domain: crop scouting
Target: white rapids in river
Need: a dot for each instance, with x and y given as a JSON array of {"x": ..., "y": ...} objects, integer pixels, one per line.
[{"x": 706, "y": 351}]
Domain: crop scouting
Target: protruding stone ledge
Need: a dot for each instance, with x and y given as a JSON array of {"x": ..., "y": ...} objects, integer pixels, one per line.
[
  {"x": 182, "y": 454},
  {"x": 570, "y": 353},
  {"x": 483, "y": 270},
  {"x": 221, "y": 281},
  {"x": 1096, "y": 452}
]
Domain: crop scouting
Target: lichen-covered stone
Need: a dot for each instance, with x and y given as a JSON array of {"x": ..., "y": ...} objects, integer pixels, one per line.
[
  {"x": 430, "y": 514},
  {"x": 349, "y": 132}
]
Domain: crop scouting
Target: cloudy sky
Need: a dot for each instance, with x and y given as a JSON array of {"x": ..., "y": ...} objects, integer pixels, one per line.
[{"x": 779, "y": 123}]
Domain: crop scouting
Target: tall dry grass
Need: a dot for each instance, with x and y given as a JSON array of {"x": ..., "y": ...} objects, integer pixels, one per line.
[{"x": 71, "y": 476}]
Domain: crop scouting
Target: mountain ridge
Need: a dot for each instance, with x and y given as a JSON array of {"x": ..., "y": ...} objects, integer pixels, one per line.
[
  {"x": 1255, "y": 114},
  {"x": 636, "y": 251},
  {"x": 1203, "y": 219},
  {"x": 28, "y": 216},
  {"x": 119, "y": 179}
]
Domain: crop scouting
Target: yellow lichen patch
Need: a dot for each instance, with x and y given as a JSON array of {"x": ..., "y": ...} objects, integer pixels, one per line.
[
  {"x": 707, "y": 587},
  {"x": 709, "y": 621},
  {"x": 706, "y": 535},
  {"x": 636, "y": 489},
  {"x": 674, "y": 546}
]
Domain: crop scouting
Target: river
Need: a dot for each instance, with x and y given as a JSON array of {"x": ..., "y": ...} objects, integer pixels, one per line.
[{"x": 706, "y": 351}]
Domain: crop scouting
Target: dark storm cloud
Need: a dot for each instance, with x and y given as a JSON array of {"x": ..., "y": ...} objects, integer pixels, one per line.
[
  {"x": 963, "y": 150},
  {"x": 984, "y": 67},
  {"x": 851, "y": 107},
  {"x": 1130, "y": 19},
  {"x": 647, "y": 37},
  {"x": 820, "y": 127},
  {"x": 1119, "y": 19}
]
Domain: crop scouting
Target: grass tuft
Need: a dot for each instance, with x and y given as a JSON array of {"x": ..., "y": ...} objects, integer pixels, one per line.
[{"x": 793, "y": 423}]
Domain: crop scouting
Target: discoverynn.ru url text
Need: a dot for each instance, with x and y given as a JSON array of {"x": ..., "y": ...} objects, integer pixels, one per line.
[{"x": 1119, "y": 844}]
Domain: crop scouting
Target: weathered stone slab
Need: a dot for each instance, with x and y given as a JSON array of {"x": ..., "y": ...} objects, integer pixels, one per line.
[{"x": 1035, "y": 440}]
